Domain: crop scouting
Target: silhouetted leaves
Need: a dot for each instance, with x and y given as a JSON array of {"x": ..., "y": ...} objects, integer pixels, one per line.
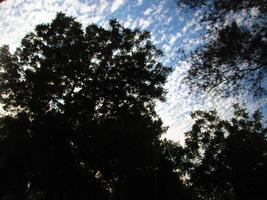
[
  {"x": 82, "y": 118},
  {"x": 235, "y": 61},
  {"x": 234, "y": 58},
  {"x": 226, "y": 159}
]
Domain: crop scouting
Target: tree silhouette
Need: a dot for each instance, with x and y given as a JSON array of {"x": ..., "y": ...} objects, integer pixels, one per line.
[
  {"x": 226, "y": 159},
  {"x": 216, "y": 10},
  {"x": 234, "y": 59},
  {"x": 80, "y": 120}
]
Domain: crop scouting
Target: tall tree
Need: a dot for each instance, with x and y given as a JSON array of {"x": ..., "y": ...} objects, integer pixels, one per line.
[
  {"x": 234, "y": 59},
  {"x": 81, "y": 122},
  {"x": 227, "y": 159}
]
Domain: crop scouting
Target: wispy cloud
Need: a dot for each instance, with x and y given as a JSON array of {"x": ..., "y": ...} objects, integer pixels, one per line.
[
  {"x": 139, "y": 2},
  {"x": 170, "y": 30},
  {"x": 144, "y": 23},
  {"x": 116, "y": 5}
]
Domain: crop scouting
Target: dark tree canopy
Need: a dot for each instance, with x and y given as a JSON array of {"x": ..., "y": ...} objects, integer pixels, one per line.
[
  {"x": 234, "y": 59},
  {"x": 80, "y": 120},
  {"x": 60, "y": 63},
  {"x": 227, "y": 159},
  {"x": 219, "y": 7}
]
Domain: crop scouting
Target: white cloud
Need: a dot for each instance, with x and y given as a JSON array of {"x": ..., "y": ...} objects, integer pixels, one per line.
[
  {"x": 17, "y": 17},
  {"x": 148, "y": 11},
  {"x": 173, "y": 38},
  {"x": 103, "y": 6},
  {"x": 139, "y": 2},
  {"x": 144, "y": 23},
  {"x": 128, "y": 23},
  {"x": 189, "y": 25},
  {"x": 87, "y": 8},
  {"x": 116, "y": 5},
  {"x": 159, "y": 8}
]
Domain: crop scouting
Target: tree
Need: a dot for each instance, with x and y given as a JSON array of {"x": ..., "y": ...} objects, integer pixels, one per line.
[
  {"x": 233, "y": 62},
  {"x": 80, "y": 116},
  {"x": 227, "y": 159},
  {"x": 216, "y": 9},
  {"x": 160, "y": 182},
  {"x": 234, "y": 59}
]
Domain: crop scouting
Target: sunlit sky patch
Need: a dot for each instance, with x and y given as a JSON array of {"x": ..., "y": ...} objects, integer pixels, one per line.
[{"x": 170, "y": 28}]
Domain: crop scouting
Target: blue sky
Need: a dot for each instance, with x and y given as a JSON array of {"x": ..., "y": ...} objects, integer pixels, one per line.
[{"x": 170, "y": 28}]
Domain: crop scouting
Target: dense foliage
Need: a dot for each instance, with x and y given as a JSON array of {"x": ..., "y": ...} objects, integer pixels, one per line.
[
  {"x": 226, "y": 159},
  {"x": 81, "y": 122},
  {"x": 234, "y": 58}
]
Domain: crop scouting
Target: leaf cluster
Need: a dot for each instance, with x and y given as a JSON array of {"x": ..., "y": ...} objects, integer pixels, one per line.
[
  {"x": 226, "y": 159},
  {"x": 80, "y": 120},
  {"x": 234, "y": 58}
]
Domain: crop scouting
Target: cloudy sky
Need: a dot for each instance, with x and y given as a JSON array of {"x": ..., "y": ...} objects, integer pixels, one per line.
[{"x": 170, "y": 28}]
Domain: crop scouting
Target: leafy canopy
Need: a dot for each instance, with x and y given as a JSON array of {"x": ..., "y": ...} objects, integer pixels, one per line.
[
  {"x": 82, "y": 123},
  {"x": 226, "y": 159},
  {"x": 234, "y": 58}
]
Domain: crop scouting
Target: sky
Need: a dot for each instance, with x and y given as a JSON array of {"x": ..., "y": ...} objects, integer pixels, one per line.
[{"x": 171, "y": 29}]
